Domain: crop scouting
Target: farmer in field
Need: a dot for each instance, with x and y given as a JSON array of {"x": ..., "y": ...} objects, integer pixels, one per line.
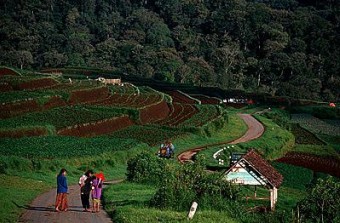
[
  {"x": 85, "y": 183},
  {"x": 61, "y": 199}
]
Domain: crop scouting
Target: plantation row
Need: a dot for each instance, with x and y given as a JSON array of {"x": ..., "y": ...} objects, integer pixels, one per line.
[
  {"x": 316, "y": 125},
  {"x": 52, "y": 147},
  {"x": 181, "y": 97},
  {"x": 330, "y": 165},
  {"x": 206, "y": 99},
  {"x": 179, "y": 113}
]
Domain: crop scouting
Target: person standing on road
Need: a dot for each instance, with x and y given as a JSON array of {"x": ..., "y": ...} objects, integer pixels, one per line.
[
  {"x": 85, "y": 182},
  {"x": 97, "y": 185},
  {"x": 62, "y": 188}
]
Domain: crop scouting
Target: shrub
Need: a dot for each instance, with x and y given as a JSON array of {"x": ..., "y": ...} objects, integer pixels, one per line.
[
  {"x": 145, "y": 168},
  {"x": 323, "y": 202},
  {"x": 190, "y": 182}
]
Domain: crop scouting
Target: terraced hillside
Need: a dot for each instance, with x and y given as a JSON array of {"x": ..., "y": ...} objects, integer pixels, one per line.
[{"x": 34, "y": 104}]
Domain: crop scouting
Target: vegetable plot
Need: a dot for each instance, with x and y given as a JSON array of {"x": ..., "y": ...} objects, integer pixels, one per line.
[
  {"x": 330, "y": 165},
  {"x": 315, "y": 125}
]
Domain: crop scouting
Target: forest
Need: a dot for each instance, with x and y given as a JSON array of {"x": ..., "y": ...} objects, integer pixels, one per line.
[{"x": 279, "y": 47}]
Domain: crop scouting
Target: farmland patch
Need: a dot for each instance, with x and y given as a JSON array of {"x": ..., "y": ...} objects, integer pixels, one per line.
[
  {"x": 315, "y": 125},
  {"x": 330, "y": 165}
]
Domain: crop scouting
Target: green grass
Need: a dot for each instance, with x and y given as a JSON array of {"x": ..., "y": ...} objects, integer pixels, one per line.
[
  {"x": 127, "y": 202},
  {"x": 15, "y": 193},
  {"x": 333, "y": 141},
  {"x": 274, "y": 142},
  {"x": 51, "y": 147},
  {"x": 62, "y": 117},
  {"x": 318, "y": 150}
]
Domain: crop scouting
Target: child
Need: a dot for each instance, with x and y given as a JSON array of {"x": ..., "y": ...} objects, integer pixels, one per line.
[{"x": 97, "y": 184}]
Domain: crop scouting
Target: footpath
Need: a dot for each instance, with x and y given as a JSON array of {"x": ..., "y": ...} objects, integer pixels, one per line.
[{"x": 42, "y": 209}]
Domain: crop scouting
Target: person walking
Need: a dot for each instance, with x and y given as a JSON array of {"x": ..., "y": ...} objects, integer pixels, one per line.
[
  {"x": 61, "y": 203},
  {"x": 85, "y": 182}
]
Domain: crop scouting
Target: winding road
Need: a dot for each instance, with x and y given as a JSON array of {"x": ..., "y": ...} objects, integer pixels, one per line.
[
  {"x": 255, "y": 130},
  {"x": 42, "y": 208}
]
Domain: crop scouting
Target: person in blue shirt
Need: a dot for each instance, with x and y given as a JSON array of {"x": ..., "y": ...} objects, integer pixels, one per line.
[{"x": 62, "y": 189}]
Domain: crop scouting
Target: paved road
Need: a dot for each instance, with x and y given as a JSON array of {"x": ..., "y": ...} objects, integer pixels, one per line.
[
  {"x": 42, "y": 210},
  {"x": 255, "y": 130}
]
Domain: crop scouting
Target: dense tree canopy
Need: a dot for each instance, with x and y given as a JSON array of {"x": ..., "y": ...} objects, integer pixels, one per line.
[{"x": 281, "y": 47}]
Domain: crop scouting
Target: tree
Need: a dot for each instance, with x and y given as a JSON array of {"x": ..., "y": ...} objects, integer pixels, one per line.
[
  {"x": 322, "y": 203},
  {"x": 227, "y": 59},
  {"x": 21, "y": 58},
  {"x": 53, "y": 59}
]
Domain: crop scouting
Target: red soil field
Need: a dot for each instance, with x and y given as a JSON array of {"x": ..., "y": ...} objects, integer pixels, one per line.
[
  {"x": 179, "y": 114},
  {"x": 97, "y": 128},
  {"x": 328, "y": 165},
  {"x": 13, "y": 109},
  {"x": 55, "y": 101},
  {"x": 181, "y": 98},
  {"x": 6, "y": 71},
  {"x": 4, "y": 87},
  {"x": 154, "y": 112},
  {"x": 38, "y": 84},
  {"x": 89, "y": 95},
  {"x": 38, "y": 131}
]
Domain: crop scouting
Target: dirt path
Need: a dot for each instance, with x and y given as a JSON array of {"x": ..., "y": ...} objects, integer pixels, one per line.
[
  {"x": 42, "y": 209},
  {"x": 255, "y": 130}
]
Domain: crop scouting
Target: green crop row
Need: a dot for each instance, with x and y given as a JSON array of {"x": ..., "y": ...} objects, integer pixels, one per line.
[
  {"x": 150, "y": 134},
  {"x": 206, "y": 114},
  {"x": 62, "y": 117},
  {"x": 51, "y": 147}
]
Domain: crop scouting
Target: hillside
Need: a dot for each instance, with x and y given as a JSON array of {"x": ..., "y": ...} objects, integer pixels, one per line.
[{"x": 283, "y": 48}]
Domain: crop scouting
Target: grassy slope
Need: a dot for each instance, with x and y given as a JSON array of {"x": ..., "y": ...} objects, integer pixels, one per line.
[
  {"x": 128, "y": 203},
  {"x": 16, "y": 193}
]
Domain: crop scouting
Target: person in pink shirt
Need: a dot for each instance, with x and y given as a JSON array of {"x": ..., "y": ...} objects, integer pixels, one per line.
[{"x": 97, "y": 185}]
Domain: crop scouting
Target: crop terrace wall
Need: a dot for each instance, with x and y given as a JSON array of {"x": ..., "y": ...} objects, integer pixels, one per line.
[
  {"x": 330, "y": 165},
  {"x": 7, "y": 71},
  {"x": 179, "y": 113},
  {"x": 38, "y": 84},
  {"x": 55, "y": 101},
  {"x": 5, "y": 86},
  {"x": 101, "y": 127},
  {"x": 182, "y": 97},
  {"x": 18, "y": 133},
  {"x": 89, "y": 95},
  {"x": 154, "y": 112},
  {"x": 206, "y": 99},
  {"x": 12, "y": 109}
]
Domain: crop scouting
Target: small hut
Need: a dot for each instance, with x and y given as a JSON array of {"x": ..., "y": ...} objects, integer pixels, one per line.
[{"x": 252, "y": 169}]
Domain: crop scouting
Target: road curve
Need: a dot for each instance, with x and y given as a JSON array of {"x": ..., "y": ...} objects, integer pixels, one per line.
[
  {"x": 42, "y": 209},
  {"x": 255, "y": 130}
]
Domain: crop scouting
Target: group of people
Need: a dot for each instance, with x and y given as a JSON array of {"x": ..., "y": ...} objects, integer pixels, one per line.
[
  {"x": 167, "y": 150},
  {"x": 90, "y": 185}
]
